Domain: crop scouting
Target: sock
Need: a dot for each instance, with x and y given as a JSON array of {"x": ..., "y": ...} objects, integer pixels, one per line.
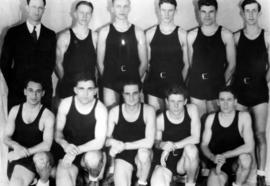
[
  {"x": 260, "y": 173},
  {"x": 92, "y": 179},
  {"x": 190, "y": 184},
  {"x": 40, "y": 183},
  {"x": 234, "y": 184},
  {"x": 140, "y": 182}
]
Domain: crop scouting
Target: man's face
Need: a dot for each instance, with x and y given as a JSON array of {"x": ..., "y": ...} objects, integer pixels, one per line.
[
  {"x": 251, "y": 14},
  {"x": 83, "y": 15},
  {"x": 35, "y": 10},
  {"x": 176, "y": 103},
  {"x": 121, "y": 9},
  {"x": 131, "y": 94},
  {"x": 227, "y": 102},
  {"x": 33, "y": 93},
  {"x": 208, "y": 15},
  {"x": 85, "y": 91},
  {"x": 167, "y": 12}
]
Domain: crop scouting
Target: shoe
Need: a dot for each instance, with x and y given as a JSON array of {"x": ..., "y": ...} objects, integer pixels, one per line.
[
  {"x": 261, "y": 181},
  {"x": 93, "y": 183},
  {"x": 108, "y": 180}
]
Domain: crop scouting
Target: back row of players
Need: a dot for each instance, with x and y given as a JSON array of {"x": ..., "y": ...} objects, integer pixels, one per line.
[{"x": 204, "y": 59}]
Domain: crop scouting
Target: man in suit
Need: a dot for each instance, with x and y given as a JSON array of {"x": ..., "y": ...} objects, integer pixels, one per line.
[{"x": 28, "y": 48}]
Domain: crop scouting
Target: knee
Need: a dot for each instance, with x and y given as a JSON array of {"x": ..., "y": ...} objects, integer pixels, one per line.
[
  {"x": 144, "y": 155},
  {"x": 157, "y": 176},
  {"x": 245, "y": 161},
  {"x": 92, "y": 159},
  {"x": 16, "y": 181},
  {"x": 43, "y": 160},
  {"x": 261, "y": 137},
  {"x": 191, "y": 152}
]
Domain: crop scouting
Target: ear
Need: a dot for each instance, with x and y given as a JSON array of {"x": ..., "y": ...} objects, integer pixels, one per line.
[
  {"x": 25, "y": 91},
  {"x": 43, "y": 93},
  {"x": 75, "y": 90},
  {"x": 185, "y": 102}
]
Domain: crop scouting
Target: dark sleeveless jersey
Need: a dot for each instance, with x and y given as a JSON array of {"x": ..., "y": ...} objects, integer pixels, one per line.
[
  {"x": 176, "y": 132},
  {"x": 27, "y": 135},
  {"x": 252, "y": 58},
  {"x": 225, "y": 138},
  {"x": 121, "y": 54},
  {"x": 79, "y": 128},
  {"x": 166, "y": 55},
  {"x": 209, "y": 55},
  {"x": 129, "y": 131},
  {"x": 80, "y": 56}
]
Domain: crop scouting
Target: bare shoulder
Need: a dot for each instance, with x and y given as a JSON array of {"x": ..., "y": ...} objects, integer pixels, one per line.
[
  {"x": 209, "y": 120},
  {"x": 236, "y": 36},
  {"x": 244, "y": 116},
  {"x": 103, "y": 31},
  {"x": 151, "y": 32},
  {"x": 115, "y": 110},
  {"x": 48, "y": 115},
  {"x": 14, "y": 111},
  {"x": 148, "y": 109},
  {"x": 226, "y": 33},
  {"x": 63, "y": 35},
  {"x": 267, "y": 38},
  {"x": 65, "y": 105},
  {"x": 182, "y": 32},
  {"x": 101, "y": 107},
  {"x": 192, "y": 34}
]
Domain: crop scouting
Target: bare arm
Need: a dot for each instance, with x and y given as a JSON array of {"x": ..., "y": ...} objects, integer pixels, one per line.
[
  {"x": 228, "y": 40},
  {"x": 61, "y": 48},
  {"x": 267, "y": 42},
  {"x": 207, "y": 135},
  {"x": 149, "y": 36},
  {"x": 150, "y": 128},
  {"x": 191, "y": 36},
  {"x": 47, "y": 120},
  {"x": 97, "y": 143},
  {"x": 245, "y": 129},
  {"x": 195, "y": 124},
  {"x": 101, "y": 47},
  {"x": 183, "y": 40},
  {"x": 61, "y": 122},
  {"x": 142, "y": 51}
]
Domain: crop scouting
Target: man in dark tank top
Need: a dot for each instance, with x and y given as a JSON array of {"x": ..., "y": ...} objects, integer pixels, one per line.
[
  {"x": 252, "y": 76},
  {"x": 81, "y": 131},
  {"x": 212, "y": 54},
  {"x": 76, "y": 49},
  {"x": 130, "y": 136},
  {"x": 228, "y": 142},
  {"x": 29, "y": 136},
  {"x": 178, "y": 131},
  {"x": 121, "y": 52},
  {"x": 167, "y": 49}
]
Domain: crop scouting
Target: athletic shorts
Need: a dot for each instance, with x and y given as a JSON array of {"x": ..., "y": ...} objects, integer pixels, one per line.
[
  {"x": 25, "y": 162},
  {"x": 172, "y": 160},
  {"x": 251, "y": 93},
  {"x": 157, "y": 85},
  {"x": 128, "y": 156},
  {"x": 204, "y": 87}
]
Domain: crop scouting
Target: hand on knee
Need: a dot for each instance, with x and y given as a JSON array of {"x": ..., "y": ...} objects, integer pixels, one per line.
[
  {"x": 191, "y": 152},
  {"x": 43, "y": 160},
  {"x": 92, "y": 159}
]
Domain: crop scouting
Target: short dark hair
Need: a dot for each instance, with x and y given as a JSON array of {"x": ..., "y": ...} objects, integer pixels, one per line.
[
  {"x": 44, "y": 2},
  {"x": 35, "y": 79},
  {"x": 229, "y": 89},
  {"x": 84, "y": 76},
  {"x": 247, "y": 2},
  {"x": 173, "y": 2},
  {"x": 176, "y": 89},
  {"x": 131, "y": 82},
  {"x": 207, "y": 3},
  {"x": 87, "y": 3}
]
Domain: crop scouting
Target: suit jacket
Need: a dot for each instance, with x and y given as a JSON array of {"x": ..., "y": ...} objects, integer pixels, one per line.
[{"x": 22, "y": 56}]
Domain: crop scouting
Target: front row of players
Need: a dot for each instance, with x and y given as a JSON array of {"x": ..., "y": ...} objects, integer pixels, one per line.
[{"x": 132, "y": 130}]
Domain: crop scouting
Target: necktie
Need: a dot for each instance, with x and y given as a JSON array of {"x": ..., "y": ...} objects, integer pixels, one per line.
[{"x": 34, "y": 34}]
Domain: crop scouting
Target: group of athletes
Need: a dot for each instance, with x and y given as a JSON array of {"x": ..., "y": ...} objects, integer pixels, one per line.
[{"x": 207, "y": 75}]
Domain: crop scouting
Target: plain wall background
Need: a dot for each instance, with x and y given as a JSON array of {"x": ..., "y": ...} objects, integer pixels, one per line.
[{"x": 57, "y": 16}]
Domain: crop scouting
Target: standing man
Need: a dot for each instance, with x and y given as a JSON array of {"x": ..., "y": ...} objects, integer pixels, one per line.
[
  {"x": 252, "y": 75},
  {"x": 131, "y": 133},
  {"x": 167, "y": 50},
  {"x": 29, "y": 135},
  {"x": 76, "y": 49},
  {"x": 121, "y": 52},
  {"x": 228, "y": 141},
  {"x": 178, "y": 131},
  {"x": 29, "y": 48},
  {"x": 212, "y": 55},
  {"x": 81, "y": 131}
]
